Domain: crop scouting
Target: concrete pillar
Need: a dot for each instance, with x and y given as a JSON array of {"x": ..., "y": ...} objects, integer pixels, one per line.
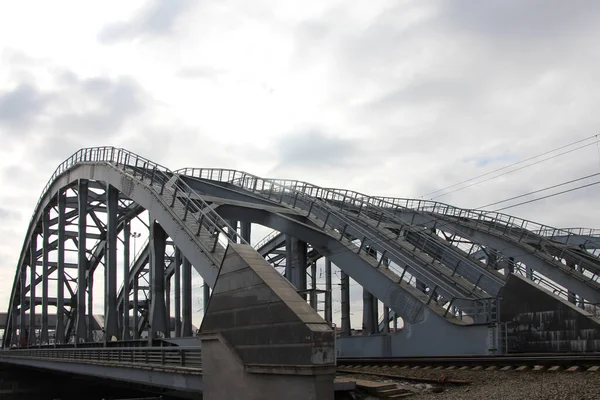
[
  {"x": 297, "y": 262},
  {"x": 125, "y": 315},
  {"x": 45, "y": 277},
  {"x": 177, "y": 289},
  {"x": 158, "y": 239},
  {"x": 386, "y": 319},
  {"x": 186, "y": 298},
  {"x": 345, "y": 286},
  {"x": 82, "y": 262},
  {"x": 111, "y": 322},
  {"x": 328, "y": 294},
  {"x": 32, "y": 278},
  {"x": 60, "y": 269}
]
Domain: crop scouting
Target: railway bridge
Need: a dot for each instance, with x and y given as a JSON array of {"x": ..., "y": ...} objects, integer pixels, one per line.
[{"x": 432, "y": 279}]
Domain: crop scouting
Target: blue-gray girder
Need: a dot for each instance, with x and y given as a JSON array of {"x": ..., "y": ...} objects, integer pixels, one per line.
[
  {"x": 435, "y": 276},
  {"x": 520, "y": 251},
  {"x": 157, "y": 376}
]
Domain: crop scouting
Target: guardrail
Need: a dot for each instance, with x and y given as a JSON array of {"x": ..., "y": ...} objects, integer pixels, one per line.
[{"x": 160, "y": 356}]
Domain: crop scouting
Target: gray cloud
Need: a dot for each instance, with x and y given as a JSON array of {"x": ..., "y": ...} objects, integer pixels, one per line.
[
  {"x": 200, "y": 72},
  {"x": 7, "y": 214},
  {"x": 314, "y": 149},
  {"x": 155, "y": 18},
  {"x": 21, "y": 106}
]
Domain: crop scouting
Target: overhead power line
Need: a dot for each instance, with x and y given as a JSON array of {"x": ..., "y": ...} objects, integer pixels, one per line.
[
  {"x": 540, "y": 190},
  {"x": 548, "y": 196},
  {"x": 509, "y": 166}
]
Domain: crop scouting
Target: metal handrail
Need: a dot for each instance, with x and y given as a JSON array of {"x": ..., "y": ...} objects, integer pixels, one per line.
[
  {"x": 275, "y": 190},
  {"x": 423, "y": 206},
  {"x": 163, "y": 356}
]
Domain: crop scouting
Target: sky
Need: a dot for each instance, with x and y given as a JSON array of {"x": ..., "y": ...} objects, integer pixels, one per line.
[{"x": 387, "y": 97}]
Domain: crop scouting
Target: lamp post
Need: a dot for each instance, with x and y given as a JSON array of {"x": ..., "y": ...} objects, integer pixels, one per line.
[{"x": 135, "y": 235}]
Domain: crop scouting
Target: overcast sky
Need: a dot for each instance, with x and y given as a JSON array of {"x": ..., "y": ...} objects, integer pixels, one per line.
[{"x": 384, "y": 97}]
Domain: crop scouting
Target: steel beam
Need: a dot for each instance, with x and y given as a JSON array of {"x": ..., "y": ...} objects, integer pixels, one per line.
[
  {"x": 32, "y": 277},
  {"x": 22, "y": 326},
  {"x": 136, "y": 307},
  {"x": 234, "y": 225},
  {"x": 328, "y": 294},
  {"x": 246, "y": 230},
  {"x": 45, "y": 280},
  {"x": 177, "y": 288},
  {"x": 313, "y": 285},
  {"x": 186, "y": 288},
  {"x": 111, "y": 322},
  {"x": 125, "y": 315},
  {"x": 345, "y": 286},
  {"x": 168, "y": 304},
  {"x": 60, "y": 269},
  {"x": 90, "y": 307},
  {"x": 82, "y": 262},
  {"x": 158, "y": 238},
  {"x": 205, "y": 296}
]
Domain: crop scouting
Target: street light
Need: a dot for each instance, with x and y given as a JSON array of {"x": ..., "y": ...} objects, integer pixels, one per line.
[{"x": 135, "y": 235}]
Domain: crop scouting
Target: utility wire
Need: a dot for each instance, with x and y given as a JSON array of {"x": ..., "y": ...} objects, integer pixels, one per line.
[
  {"x": 540, "y": 190},
  {"x": 550, "y": 195},
  {"x": 514, "y": 170},
  {"x": 511, "y": 165}
]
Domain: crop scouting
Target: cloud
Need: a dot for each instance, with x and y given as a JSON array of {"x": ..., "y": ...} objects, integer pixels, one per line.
[
  {"x": 200, "y": 72},
  {"x": 21, "y": 106},
  {"x": 155, "y": 18},
  {"x": 7, "y": 214},
  {"x": 314, "y": 149}
]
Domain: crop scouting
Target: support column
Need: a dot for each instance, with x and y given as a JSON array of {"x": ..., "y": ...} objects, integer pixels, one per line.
[
  {"x": 313, "y": 286},
  {"x": 288, "y": 259},
  {"x": 168, "y": 305},
  {"x": 246, "y": 230},
  {"x": 45, "y": 261},
  {"x": 297, "y": 263},
  {"x": 571, "y": 296},
  {"x": 111, "y": 323},
  {"x": 386, "y": 319},
  {"x": 345, "y": 286},
  {"x": 177, "y": 289},
  {"x": 23, "y": 336},
  {"x": 125, "y": 321},
  {"x": 186, "y": 298},
  {"x": 205, "y": 296},
  {"x": 32, "y": 277},
  {"x": 158, "y": 239},
  {"x": 328, "y": 294},
  {"x": 136, "y": 307},
  {"x": 80, "y": 325},
  {"x": 60, "y": 269},
  {"x": 367, "y": 312},
  {"x": 90, "y": 307}
]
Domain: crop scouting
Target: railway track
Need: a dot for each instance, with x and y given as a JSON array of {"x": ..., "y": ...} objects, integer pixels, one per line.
[{"x": 522, "y": 362}]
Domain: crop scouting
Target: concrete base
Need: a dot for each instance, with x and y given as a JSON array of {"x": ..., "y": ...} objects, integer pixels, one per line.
[{"x": 226, "y": 377}]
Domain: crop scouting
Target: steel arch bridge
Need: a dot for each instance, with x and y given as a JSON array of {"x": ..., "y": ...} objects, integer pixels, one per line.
[{"x": 460, "y": 281}]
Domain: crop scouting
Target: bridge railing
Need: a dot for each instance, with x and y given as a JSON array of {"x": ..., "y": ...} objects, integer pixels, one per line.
[
  {"x": 292, "y": 191},
  {"x": 163, "y": 356}
]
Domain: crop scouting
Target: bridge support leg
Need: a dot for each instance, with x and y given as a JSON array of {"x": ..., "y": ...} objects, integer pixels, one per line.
[
  {"x": 368, "y": 316},
  {"x": 125, "y": 315},
  {"x": 345, "y": 286},
  {"x": 246, "y": 228},
  {"x": 111, "y": 324},
  {"x": 313, "y": 285},
  {"x": 328, "y": 295},
  {"x": 80, "y": 325},
  {"x": 205, "y": 296},
  {"x": 60, "y": 269},
  {"x": 386, "y": 319},
  {"x": 32, "y": 278},
  {"x": 90, "y": 308},
  {"x": 22, "y": 323},
  {"x": 186, "y": 298},
  {"x": 136, "y": 307},
  {"x": 296, "y": 260},
  {"x": 177, "y": 289},
  {"x": 45, "y": 261},
  {"x": 168, "y": 305},
  {"x": 158, "y": 313}
]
